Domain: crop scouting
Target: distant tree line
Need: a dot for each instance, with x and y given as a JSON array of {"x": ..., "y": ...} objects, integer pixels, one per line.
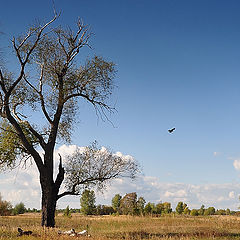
[
  {"x": 130, "y": 204},
  {"x": 6, "y": 208}
]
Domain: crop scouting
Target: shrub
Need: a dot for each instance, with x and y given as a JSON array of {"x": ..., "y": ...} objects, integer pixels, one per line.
[
  {"x": 194, "y": 212},
  {"x": 210, "y": 211},
  {"x": 19, "y": 209},
  {"x": 5, "y": 207}
]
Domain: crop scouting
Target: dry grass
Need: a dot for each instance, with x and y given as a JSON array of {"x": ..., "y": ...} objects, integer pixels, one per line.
[{"x": 126, "y": 227}]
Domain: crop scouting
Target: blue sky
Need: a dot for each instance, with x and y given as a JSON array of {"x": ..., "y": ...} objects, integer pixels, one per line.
[{"x": 178, "y": 66}]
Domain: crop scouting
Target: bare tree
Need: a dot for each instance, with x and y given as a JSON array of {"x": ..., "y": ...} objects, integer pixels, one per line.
[{"x": 50, "y": 81}]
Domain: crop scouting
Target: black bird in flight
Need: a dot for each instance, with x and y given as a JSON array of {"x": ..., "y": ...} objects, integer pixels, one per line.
[{"x": 171, "y": 130}]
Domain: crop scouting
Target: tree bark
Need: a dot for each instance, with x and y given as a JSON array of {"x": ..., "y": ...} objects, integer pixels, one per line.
[
  {"x": 49, "y": 198},
  {"x": 49, "y": 202},
  {"x": 50, "y": 190}
]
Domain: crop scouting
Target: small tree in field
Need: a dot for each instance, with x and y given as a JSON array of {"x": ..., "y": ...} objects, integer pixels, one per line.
[
  {"x": 201, "y": 210},
  {"x": 149, "y": 208},
  {"x": 49, "y": 82},
  {"x": 116, "y": 202},
  {"x": 167, "y": 207},
  {"x": 180, "y": 208},
  {"x": 67, "y": 212},
  {"x": 5, "y": 207},
  {"x": 19, "y": 208},
  {"x": 140, "y": 205},
  {"x": 87, "y": 202}
]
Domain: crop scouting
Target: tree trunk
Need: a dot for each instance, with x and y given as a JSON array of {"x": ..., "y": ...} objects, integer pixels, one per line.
[
  {"x": 50, "y": 190},
  {"x": 49, "y": 199},
  {"x": 49, "y": 202}
]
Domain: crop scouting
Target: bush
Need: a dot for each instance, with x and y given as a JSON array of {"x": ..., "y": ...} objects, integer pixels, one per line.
[
  {"x": 209, "y": 211},
  {"x": 104, "y": 210},
  {"x": 19, "y": 209},
  {"x": 5, "y": 207},
  {"x": 194, "y": 212}
]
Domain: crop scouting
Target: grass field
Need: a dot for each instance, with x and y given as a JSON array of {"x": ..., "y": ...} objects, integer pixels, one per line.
[{"x": 125, "y": 227}]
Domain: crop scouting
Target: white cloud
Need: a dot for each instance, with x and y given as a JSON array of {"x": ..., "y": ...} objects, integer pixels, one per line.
[
  {"x": 231, "y": 195},
  {"x": 23, "y": 185},
  {"x": 180, "y": 193},
  {"x": 236, "y": 164},
  {"x": 216, "y": 195}
]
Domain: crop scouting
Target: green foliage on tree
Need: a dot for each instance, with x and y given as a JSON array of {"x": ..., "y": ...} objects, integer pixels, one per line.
[
  {"x": 160, "y": 208},
  {"x": 180, "y": 208},
  {"x": 186, "y": 211},
  {"x": 228, "y": 212},
  {"x": 194, "y": 212},
  {"x": 149, "y": 208},
  {"x": 201, "y": 210},
  {"x": 19, "y": 209},
  {"x": 140, "y": 205},
  {"x": 87, "y": 202},
  {"x": 209, "y": 211},
  {"x": 116, "y": 202},
  {"x": 167, "y": 207},
  {"x": 67, "y": 212},
  {"x": 50, "y": 81}
]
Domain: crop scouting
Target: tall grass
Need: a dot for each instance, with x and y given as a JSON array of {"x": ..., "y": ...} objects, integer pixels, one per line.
[{"x": 125, "y": 227}]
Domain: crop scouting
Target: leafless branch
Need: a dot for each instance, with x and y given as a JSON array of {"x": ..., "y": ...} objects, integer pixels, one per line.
[
  {"x": 24, "y": 61},
  {"x": 39, "y": 92}
]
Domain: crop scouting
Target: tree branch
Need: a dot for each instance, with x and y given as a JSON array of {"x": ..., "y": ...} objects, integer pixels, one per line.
[
  {"x": 39, "y": 92},
  {"x": 88, "y": 180},
  {"x": 22, "y": 61},
  {"x": 29, "y": 147},
  {"x": 60, "y": 175}
]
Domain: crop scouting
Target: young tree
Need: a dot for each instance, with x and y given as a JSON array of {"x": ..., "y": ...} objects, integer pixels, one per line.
[
  {"x": 67, "y": 212},
  {"x": 180, "y": 207},
  {"x": 140, "y": 205},
  {"x": 116, "y": 202},
  {"x": 228, "y": 212},
  {"x": 51, "y": 53},
  {"x": 87, "y": 202},
  {"x": 201, "y": 210},
  {"x": 149, "y": 208}
]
